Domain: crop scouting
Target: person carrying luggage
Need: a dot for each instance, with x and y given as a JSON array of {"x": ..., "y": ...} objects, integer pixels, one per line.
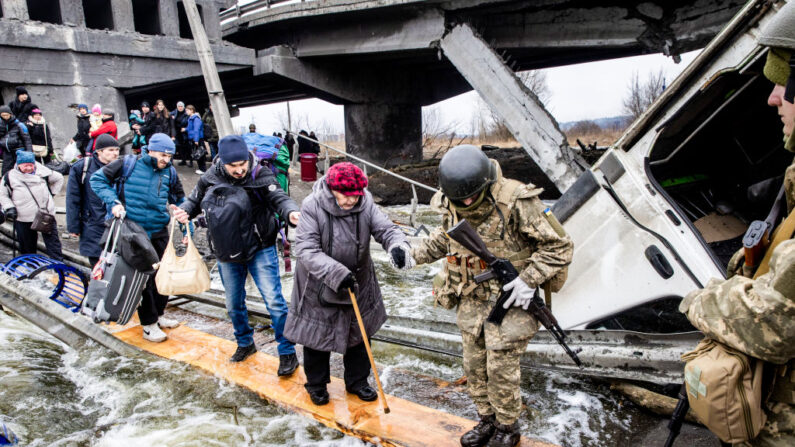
[
  {"x": 196, "y": 139},
  {"x": 13, "y": 135},
  {"x": 240, "y": 199},
  {"x": 26, "y": 194},
  {"x": 85, "y": 211},
  {"x": 142, "y": 189},
  {"x": 333, "y": 245}
]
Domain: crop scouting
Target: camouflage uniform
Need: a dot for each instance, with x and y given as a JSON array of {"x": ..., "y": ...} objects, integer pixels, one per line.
[
  {"x": 789, "y": 186},
  {"x": 757, "y": 317},
  {"x": 491, "y": 352}
]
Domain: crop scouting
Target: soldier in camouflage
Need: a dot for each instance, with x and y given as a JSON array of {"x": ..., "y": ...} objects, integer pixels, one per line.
[
  {"x": 515, "y": 225},
  {"x": 757, "y": 316}
]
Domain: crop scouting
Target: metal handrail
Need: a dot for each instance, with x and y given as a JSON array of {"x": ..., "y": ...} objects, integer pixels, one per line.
[
  {"x": 237, "y": 10},
  {"x": 367, "y": 163}
]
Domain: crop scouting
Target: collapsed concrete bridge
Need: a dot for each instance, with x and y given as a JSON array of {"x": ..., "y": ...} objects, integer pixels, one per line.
[{"x": 381, "y": 59}]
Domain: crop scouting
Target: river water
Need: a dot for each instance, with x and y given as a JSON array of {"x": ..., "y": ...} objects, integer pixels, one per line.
[{"x": 54, "y": 395}]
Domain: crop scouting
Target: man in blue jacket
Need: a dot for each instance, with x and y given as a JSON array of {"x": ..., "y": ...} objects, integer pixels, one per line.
[
  {"x": 150, "y": 187},
  {"x": 85, "y": 211},
  {"x": 196, "y": 138}
]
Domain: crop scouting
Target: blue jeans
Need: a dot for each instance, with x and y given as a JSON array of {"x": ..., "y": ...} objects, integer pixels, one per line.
[{"x": 264, "y": 268}]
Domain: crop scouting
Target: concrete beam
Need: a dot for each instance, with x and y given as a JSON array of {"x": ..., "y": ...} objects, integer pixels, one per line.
[
  {"x": 93, "y": 42},
  {"x": 122, "y": 16},
  {"x": 15, "y": 9},
  {"x": 528, "y": 120},
  {"x": 388, "y": 34},
  {"x": 72, "y": 13},
  {"x": 385, "y": 134}
]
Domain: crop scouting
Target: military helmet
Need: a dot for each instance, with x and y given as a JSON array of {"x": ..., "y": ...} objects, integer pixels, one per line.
[
  {"x": 465, "y": 171},
  {"x": 780, "y": 32},
  {"x": 779, "y": 35}
]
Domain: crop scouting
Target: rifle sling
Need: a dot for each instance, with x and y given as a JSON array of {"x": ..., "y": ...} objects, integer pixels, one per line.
[{"x": 784, "y": 232}]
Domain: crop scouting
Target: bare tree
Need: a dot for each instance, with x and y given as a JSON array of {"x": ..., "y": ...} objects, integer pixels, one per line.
[
  {"x": 438, "y": 135},
  {"x": 641, "y": 94}
]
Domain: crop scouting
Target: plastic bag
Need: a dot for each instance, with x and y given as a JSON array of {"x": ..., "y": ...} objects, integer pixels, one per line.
[
  {"x": 71, "y": 153},
  {"x": 181, "y": 275}
]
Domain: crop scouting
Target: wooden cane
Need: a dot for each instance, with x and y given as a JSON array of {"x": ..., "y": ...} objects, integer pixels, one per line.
[{"x": 369, "y": 351}]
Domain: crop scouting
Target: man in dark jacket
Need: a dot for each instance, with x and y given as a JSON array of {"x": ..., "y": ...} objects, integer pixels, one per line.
[
  {"x": 85, "y": 211},
  {"x": 232, "y": 173},
  {"x": 81, "y": 138},
  {"x": 22, "y": 106},
  {"x": 151, "y": 186},
  {"x": 180, "y": 117},
  {"x": 210, "y": 131},
  {"x": 13, "y": 135}
]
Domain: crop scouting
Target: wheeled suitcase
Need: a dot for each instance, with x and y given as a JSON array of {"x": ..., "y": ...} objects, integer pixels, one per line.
[{"x": 116, "y": 293}]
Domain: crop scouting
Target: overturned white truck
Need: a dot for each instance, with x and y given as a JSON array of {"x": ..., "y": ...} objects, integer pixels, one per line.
[{"x": 665, "y": 208}]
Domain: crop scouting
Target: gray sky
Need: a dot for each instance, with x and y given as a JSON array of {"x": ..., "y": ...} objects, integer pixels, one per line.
[{"x": 577, "y": 92}]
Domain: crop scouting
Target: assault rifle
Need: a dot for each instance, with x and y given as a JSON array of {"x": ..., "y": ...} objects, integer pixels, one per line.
[
  {"x": 505, "y": 272},
  {"x": 757, "y": 237},
  {"x": 678, "y": 416}
]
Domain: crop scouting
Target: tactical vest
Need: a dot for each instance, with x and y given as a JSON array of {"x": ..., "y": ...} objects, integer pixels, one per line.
[{"x": 456, "y": 280}]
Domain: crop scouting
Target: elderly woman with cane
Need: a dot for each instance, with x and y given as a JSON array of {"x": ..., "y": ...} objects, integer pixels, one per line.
[{"x": 334, "y": 273}]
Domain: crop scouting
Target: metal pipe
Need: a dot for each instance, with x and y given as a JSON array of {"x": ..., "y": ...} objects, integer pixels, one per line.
[{"x": 366, "y": 163}]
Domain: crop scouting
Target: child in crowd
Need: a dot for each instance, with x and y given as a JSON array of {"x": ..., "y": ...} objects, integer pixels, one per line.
[{"x": 96, "y": 117}]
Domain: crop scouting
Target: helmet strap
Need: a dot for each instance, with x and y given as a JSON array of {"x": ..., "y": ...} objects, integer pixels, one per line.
[{"x": 789, "y": 93}]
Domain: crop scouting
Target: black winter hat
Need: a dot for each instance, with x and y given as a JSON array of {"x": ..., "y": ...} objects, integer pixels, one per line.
[
  {"x": 21, "y": 90},
  {"x": 104, "y": 141},
  {"x": 145, "y": 104}
]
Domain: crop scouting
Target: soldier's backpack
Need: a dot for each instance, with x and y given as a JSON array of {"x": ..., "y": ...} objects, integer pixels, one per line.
[{"x": 724, "y": 389}]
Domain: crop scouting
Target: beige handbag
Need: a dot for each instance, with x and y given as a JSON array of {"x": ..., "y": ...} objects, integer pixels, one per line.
[
  {"x": 181, "y": 275},
  {"x": 724, "y": 389}
]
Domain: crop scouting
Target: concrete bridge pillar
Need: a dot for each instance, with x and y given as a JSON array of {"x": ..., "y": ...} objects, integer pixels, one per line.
[
  {"x": 387, "y": 134},
  {"x": 211, "y": 21},
  {"x": 72, "y": 12},
  {"x": 15, "y": 9},
  {"x": 122, "y": 16},
  {"x": 169, "y": 20}
]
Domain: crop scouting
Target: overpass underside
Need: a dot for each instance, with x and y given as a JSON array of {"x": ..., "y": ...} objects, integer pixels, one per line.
[{"x": 384, "y": 60}]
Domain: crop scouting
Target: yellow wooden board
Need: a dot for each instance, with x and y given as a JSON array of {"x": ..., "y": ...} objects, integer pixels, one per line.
[{"x": 408, "y": 424}]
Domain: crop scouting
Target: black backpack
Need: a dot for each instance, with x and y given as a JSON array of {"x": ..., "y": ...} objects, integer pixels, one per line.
[{"x": 226, "y": 205}]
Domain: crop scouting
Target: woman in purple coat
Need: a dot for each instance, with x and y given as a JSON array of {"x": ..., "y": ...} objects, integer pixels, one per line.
[{"x": 333, "y": 248}]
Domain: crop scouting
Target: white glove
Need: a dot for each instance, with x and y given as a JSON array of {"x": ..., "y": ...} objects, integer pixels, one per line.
[
  {"x": 401, "y": 251},
  {"x": 521, "y": 296}
]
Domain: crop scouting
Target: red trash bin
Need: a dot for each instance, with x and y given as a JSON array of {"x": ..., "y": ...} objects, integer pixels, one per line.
[{"x": 308, "y": 167}]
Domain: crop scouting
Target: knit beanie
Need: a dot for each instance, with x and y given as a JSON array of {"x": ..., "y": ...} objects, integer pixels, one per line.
[
  {"x": 180, "y": 104},
  {"x": 82, "y": 106},
  {"x": 21, "y": 90},
  {"x": 36, "y": 111},
  {"x": 777, "y": 66},
  {"x": 96, "y": 109},
  {"x": 105, "y": 141},
  {"x": 232, "y": 149},
  {"x": 145, "y": 104},
  {"x": 346, "y": 178},
  {"x": 24, "y": 156},
  {"x": 161, "y": 142},
  {"x": 6, "y": 109}
]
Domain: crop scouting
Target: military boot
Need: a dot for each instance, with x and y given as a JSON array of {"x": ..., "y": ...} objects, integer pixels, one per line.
[
  {"x": 505, "y": 436},
  {"x": 480, "y": 434}
]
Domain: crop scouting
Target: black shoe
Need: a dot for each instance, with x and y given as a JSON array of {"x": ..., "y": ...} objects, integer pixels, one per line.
[
  {"x": 190, "y": 163},
  {"x": 365, "y": 393},
  {"x": 182, "y": 163},
  {"x": 481, "y": 433},
  {"x": 288, "y": 363},
  {"x": 243, "y": 352},
  {"x": 505, "y": 436},
  {"x": 319, "y": 397}
]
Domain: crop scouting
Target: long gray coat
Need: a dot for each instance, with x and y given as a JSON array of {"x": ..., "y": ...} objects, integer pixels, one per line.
[{"x": 334, "y": 328}]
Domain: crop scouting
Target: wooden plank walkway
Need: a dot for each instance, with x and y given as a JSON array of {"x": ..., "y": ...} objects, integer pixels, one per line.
[{"x": 408, "y": 424}]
